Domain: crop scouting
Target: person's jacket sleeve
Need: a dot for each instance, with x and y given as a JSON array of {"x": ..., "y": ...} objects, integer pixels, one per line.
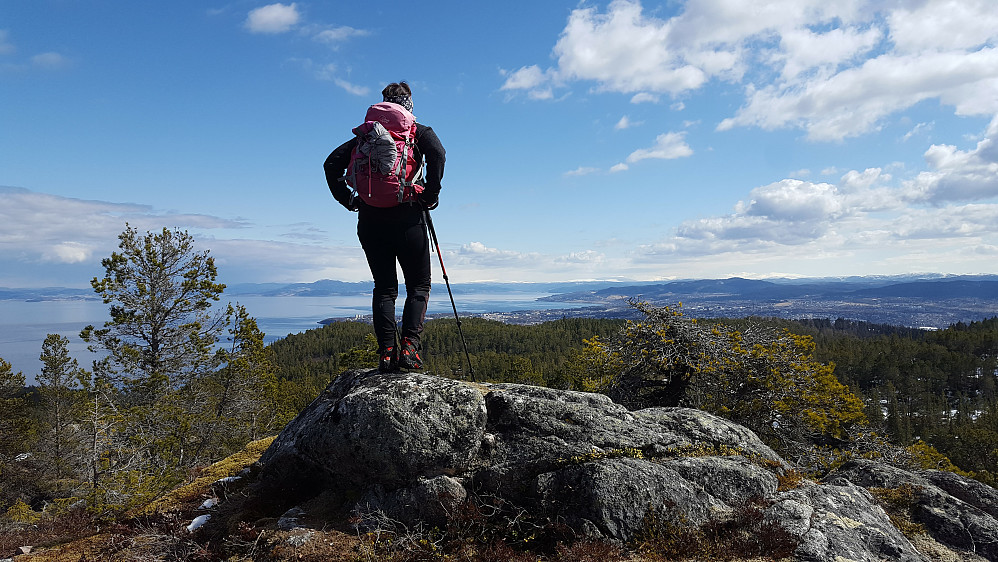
[
  {"x": 433, "y": 152},
  {"x": 335, "y": 168}
]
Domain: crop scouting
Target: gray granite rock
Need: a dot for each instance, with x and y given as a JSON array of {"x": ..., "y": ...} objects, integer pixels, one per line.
[{"x": 409, "y": 449}]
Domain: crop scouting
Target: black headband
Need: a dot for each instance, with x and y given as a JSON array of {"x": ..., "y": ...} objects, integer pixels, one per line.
[{"x": 403, "y": 100}]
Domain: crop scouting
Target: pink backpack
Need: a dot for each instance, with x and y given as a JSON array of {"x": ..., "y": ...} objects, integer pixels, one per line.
[{"x": 383, "y": 169}]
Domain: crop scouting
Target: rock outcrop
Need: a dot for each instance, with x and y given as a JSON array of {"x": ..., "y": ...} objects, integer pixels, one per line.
[
  {"x": 955, "y": 511},
  {"x": 413, "y": 448}
]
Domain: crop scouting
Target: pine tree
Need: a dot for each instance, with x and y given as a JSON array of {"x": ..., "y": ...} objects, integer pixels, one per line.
[
  {"x": 162, "y": 328},
  {"x": 240, "y": 401},
  {"x": 13, "y": 411},
  {"x": 159, "y": 343},
  {"x": 59, "y": 386},
  {"x": 15, "y": 434}
]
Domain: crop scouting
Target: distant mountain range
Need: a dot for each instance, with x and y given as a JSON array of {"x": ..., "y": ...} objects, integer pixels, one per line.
[
  {"x": 47, "y": 294},
  {"x": 327, "y": 287},
  {"x": 923, "y": 286},
  {"x": 908, "y": 300},
  {"x": 983, "y": 287},
  {"x": 935, "y": 302}
]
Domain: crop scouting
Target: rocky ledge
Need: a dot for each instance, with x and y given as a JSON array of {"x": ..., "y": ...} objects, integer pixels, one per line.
[{"x": 412, "y": 449}]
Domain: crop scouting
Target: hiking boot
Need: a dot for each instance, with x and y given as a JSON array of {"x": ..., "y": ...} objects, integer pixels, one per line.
[
  {"x": 410, "y": 358},
  {"x": 389, "y": 360}
]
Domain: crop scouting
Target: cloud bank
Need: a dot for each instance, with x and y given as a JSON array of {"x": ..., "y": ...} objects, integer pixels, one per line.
[
  {"x": 43, "y": 232},
  {"x": 832, "y": 69}
]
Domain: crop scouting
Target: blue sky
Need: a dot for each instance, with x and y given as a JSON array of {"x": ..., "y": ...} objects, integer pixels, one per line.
[{"x": 595, "y": 140}]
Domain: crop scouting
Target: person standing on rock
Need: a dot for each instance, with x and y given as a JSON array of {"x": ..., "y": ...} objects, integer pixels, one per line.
[{"x": 383, "y": 164}]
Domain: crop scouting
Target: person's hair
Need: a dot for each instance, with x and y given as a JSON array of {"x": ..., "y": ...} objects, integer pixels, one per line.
[{"x": 397, "y": 89}]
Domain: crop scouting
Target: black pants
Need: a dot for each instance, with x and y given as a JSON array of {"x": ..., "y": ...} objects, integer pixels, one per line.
[{"x": 395, "y": 235}]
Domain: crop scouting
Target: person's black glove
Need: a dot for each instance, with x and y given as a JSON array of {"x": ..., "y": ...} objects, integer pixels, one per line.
[
  {"x": 344, "y": 196},
  {"x": 429, "y": 200},
  {"x": 353, "y": 204}
]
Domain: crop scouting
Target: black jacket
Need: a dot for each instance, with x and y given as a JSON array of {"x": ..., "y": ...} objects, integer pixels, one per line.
[{"x": 427, "y": 146}]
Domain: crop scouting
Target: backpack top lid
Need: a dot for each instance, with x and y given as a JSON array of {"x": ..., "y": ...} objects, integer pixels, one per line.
[
  {"x": 383, "y": 169},
  {"x": 392, "y": 117}
]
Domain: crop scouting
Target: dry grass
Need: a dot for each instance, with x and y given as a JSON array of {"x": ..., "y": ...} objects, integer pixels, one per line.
[
  {"x": 743, "y": 535},
  {"x": 201, "y": 485},
  {"x": 899, "y": 503}
]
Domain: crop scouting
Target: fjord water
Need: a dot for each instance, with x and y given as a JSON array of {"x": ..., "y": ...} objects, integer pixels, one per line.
[{"x": 24, "y": 325}]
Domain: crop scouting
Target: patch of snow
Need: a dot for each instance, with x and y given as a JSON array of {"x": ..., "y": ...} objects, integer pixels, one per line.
[{"x": 198, "y": 522}]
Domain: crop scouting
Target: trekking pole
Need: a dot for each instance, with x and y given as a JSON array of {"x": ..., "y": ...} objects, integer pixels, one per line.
[{"x": 433, "y": 237}]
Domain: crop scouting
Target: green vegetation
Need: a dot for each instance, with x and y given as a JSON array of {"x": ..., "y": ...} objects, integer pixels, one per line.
[
  {"x": 819, "y": 391},
  {"x": 933, "y": 392},
  {"x": 745, "y": 535},
  {"x": 763, "y": 377},
  {"x": 899, "y": 503},
  {"x": 179, "y": 384}
]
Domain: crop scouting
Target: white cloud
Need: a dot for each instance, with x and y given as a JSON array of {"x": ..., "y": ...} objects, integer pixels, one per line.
[
  {"x": 535, "y": 81},
  {"x": 69, "y": 252},
  {"x": 854, "y": 100},
  {"x": 795, "y": 200},
  {"x": 947, "y": 222},
  {"x": 49, "y": 60},
  {"x": 542, "y": 94},
  {"x": 623, "y": 51},
  {"x": 943, "y": 25},
  {"x": 582, "y": 171},
  {"x": 959, "y": 175},
  {"x": 322, "y": 71},
  {"x": 918, "y": 130},
  {"x": 833, "y": 69},
  {"x": 352, "y": 88},
  {"x": 625, "y": 123},
  {"x": 330, "y": 72},
  {"x": 6, "y": 47},
  {"x": 726, "y": 22},
  {"x": 36, "y": 227},
  {"x": 588, "y": 257},
  {"x": 482, "y": 255},
  {"x": 667, "y": 146},
  {"x": 525, "y": 78},
  {"x": 619, "y": 168},
  {"x": 339, "y": 34},
  {"x": 478, "y": 262},
  {"x": 803, "y": 50},
  {"x": 644, "y": 97},
  {"x": 946, "y": 216},
  {"x": 45, "y": 233},
  {"x": 273, "y": 18},
  {"x": 854, "y": 180},
  {"x": 276, "y": 261}
]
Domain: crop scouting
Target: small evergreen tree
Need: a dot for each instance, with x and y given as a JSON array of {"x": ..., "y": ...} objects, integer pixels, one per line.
[
  {"x": 15, "y": 436},
  {"x": 158, "y": 344},
  {"x": 162, "y": 329},
  {"x": 59, "y": 390},
  {"x": 240, "y": 401}
]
